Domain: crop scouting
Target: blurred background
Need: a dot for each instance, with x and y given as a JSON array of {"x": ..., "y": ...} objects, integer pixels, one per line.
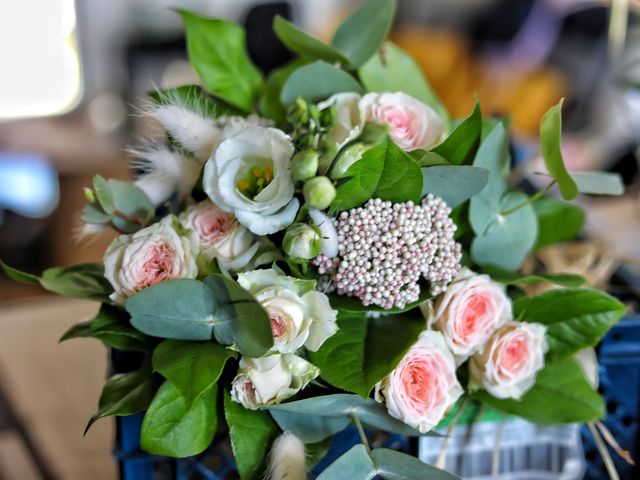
[{"x": 73, "y": 80}]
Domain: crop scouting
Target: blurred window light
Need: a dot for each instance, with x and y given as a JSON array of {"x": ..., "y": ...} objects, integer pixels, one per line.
[{"x": 40, "y": 70}]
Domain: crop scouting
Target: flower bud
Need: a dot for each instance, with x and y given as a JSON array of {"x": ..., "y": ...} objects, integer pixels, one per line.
[
  {"x": 319, "y": 192},
  {"x": 89, "y": 196},
  {"x": 347, "y": 158},
  {"x": 301, "y": 241},
  {"x": 304, "y": 165}
]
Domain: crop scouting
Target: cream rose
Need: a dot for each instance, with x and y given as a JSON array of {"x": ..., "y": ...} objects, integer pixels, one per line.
[
  {"x": 422, "y": 388},
  {"x": 412, "y": 124},
  {"x": 159, "y": 252},
  {"x": 300, "y": 315},
  {"x": 508, "y": 365},
  {"x": 469, "y": 311},
  {"x": 348, "y": 122},
  {"x": 271, "y": 379},
  {"x": 249, "y": 176},
  {"x": 221, "y": 235}
]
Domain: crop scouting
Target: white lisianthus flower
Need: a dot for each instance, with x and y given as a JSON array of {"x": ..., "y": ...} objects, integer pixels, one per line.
[
  {"x": 423, "y": 386},
  {"x": 510, "y": 361},
  {"x": 271, "y": 379},
  {"x": 162, "y": 251},
  {"x": 249, "y": 176},
  {"x": 412, "y": 124},
  {"x": 221, "y": 236},
  {"x": 300, "y": 315},
  {"x": 348, "y": 119}
]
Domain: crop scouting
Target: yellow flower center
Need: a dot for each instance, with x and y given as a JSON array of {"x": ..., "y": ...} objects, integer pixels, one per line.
[{"x": 256, "y": 180}]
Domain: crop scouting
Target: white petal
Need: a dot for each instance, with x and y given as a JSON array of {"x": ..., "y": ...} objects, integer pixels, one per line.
[{"x": 261, "y": 224}]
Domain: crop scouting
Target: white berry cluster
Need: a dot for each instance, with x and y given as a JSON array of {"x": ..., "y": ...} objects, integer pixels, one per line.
[{"x": 384, "y": 249}]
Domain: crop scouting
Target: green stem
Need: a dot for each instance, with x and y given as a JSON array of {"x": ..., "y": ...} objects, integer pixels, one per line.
[
  {"x": 440, "y": 461},
  {"x": 530, "y": 200},
  {"x": 363, "y": 437}
]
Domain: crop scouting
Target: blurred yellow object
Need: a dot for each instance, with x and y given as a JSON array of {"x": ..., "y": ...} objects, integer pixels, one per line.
[{"x": 456, "y": 75}]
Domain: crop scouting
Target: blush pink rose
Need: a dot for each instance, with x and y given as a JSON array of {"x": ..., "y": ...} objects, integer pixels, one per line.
[
  {"x": 423, "y": 386},
  {"x": 511, "y": 359},
  {"x": 412, "y": 124},
  {"x": 469, "y": 311}
]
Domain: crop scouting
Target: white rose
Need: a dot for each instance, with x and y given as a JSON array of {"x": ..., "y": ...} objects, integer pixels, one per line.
[
  {"x": 159, "y": 252},
  {"x": 347, "y": 116},
  {"x": 271, "y": 379},
  {"x": 412, "y": 124},
  {"x": 300, "y": 315},
  {"x": 248, "y": 175},
  {"x": 424, "y": 386},
  {"x": 511, "y": 359},
  {"x": 469, "y": 311},
  {"x": 221, "y": 235}
]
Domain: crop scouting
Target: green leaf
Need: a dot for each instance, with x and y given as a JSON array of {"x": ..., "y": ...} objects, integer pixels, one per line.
[
  {"x": 309, "y": 428},
  {"x": 354, "y": 305},
  {"x": 391, "y": 69},
  {"x": 599, "y": 183},
  {"x": 362, "y": 33},
  {"x": 461, "y": 145},
  {"x": 17, "y": 275},
  {"x": 550, "y": 143},
  {"x": 494, "y": 155},
  {"x": 103, "y": 194},
  {"x": 355, "y": 464},
  {"x": 241, "y": 320},
  {"x": 93, "y": 213},
  {"x": 514, "y": 278},
  {"x": 193, "y": 367},
  {"x": 125, "y": 394},
  {"x": 218, "y": 54},
  {"x": 428, "y": 159},
  {"x": 368, "y": 349},
  {"x": 557, "y": 221},
  {"x": 182, "y": 309},
  {"x": 315, "y": 452},
  {"x": 251, "y": 433},
  {"x": 270, "y": 104},
  {"x": 316, "y": 81},
  {"x": 508, "y": 240},
  {"x": 561, "y": 395},
  {"x": 131, "y": 203},
  {"x": 110, "y": 326},
  {"x": 85, "y": 281},
  {"x": 575, "y": 318},
  {"x": 370, "y": 412},
  {"x": 304, "y": 44},
  {"x": 195, "y": 99},
  {"x": 384, "y": 172},
  {"x": 174, "y": 427},
  {"x": 454, "y": 184}
]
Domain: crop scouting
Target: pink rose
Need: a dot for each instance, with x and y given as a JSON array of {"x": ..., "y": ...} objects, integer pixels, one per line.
[
  {"x": 412, "y": 124},
  {"x": 221, "y": 236},
  {"x": 423, "y": 386},
  {"x": 508, "y": 365},
  {"x": 469, "y": 311}
]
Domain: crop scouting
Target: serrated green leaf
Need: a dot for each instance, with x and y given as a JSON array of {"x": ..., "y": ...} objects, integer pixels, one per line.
[
  {"x": 85, "y": 281},
  {"x": 175, "y": 427},
  {"x": 561, "y": 395},
  {"x": 550, "y": 143},
  {"x": 304, "y": 44},
  {"x": 515, "y": 278},
  {"x": 362, "y": 33},
  {"x": 462, "y": 144},
  {"x": 557, "y": 221},
  {"x": 251, "y": 433},
  {"x": 575, "y": 318},
  {"x": 454, "y": 184},
  {"x": 218, "y": 54},
  {"x": 317, "y": 81},
  {"x": 193, "y": 367},
  {"x": 384, "y": 172}
]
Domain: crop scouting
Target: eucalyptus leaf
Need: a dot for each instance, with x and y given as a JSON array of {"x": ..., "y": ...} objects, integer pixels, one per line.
[
  {"x": 175, "y": 427},
  {"x": 103, "y": 194},
  {"x": 270, "y": 104},
  {"x": 218, "y": 54},
  {"x": 561, "y": 394},
  {"x": 384, "y": 172},
  {"x": 133, "y": 208},
  {"x": 317, "y": 81},
  {"x": 428, "y": 159},
  {"x": 391, "y": 69},
  {"x": 355, "y": 464},
  {"x": 461, "y": 145},
  {"x": 368, "y": 349},
  {"x": 557, "y": 221},
  {"x": 251, "y": 433},
  {"x": 454, "y": 184},
  {"x": 193, "y": 367},
  {"x": 309, "y": 428},
  {"x": 506, "y": 241},
  {"x": 550, "y": 143},
  {"x": 304, "y": 44},
  {"x": 575, "y": 318},
  {"x": 598, "y": 183},
  {"x": 93, "y": 213},
  {"x": 362, "y": 33}
]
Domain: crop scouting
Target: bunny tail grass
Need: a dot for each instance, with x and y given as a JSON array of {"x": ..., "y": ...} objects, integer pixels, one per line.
[{"x": 287, "y": 459}]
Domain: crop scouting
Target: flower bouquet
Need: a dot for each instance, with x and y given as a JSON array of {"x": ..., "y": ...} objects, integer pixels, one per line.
[{"x": 324, "y": 248}]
